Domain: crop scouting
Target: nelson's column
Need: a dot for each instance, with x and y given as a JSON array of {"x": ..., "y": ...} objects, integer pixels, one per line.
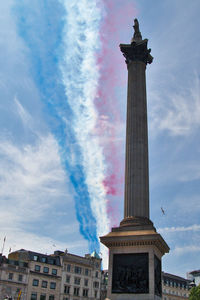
[{"x": 135, "y": 248}]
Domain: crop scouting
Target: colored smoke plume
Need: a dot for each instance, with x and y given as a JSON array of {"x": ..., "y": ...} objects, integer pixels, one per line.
[{"x": 111, "y": 125}]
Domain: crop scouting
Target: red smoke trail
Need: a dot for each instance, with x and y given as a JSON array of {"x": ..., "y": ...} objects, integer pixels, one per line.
[{"x": 117, "y": 23}]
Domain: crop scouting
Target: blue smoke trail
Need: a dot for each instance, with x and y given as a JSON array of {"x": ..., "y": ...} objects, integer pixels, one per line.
[{"x": 41, "y": 25}]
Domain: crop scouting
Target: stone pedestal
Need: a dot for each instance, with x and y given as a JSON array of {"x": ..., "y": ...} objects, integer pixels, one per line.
[{"x": 134, "y": 263}]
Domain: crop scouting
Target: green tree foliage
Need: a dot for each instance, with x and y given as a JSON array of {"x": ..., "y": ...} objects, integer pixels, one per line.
[{"x": 195, "y": 293}]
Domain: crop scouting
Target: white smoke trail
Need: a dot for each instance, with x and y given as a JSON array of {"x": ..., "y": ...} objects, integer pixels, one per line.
[{"x": 80, "y": 77}]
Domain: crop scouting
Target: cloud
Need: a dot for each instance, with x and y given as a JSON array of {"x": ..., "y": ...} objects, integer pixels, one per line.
[
  {"x": 31, "y": 179},
  {"x": 181, "y": 114},
  {"x": 185, "y": 249},
  {"x": 23, "y": 114},
  {"x": 194, "y": 227},
  {"x": 33, "y": 186},
  {"x": 19, "y": 239}
]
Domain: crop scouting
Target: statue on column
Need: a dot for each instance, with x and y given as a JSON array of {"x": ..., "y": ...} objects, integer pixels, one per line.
[{"x": 137, "y": 34}]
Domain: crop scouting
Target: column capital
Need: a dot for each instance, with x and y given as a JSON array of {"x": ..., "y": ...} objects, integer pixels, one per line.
[{"x": 136, "y": 51}]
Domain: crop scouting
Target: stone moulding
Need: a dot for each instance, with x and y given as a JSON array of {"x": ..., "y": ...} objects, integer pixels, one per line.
[{"x": 132, "y": 240}]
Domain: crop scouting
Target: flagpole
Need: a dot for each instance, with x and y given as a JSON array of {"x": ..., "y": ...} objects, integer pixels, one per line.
[{"x": 4, "y": 240}]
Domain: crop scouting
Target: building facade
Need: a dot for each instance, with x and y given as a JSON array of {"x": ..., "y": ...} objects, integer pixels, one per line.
[
  {"x": 13, "y": 278},
  {"x": 174, "y": 287},
  {"x": 44, "y": 276},
  {"x": 104, "y": 284},
  {"x": 81, "y": 277},
  {"x": 60, "y": 276}
]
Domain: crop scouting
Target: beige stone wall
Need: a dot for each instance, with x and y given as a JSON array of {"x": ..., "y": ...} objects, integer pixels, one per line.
[
  {"x": 12, "y": 280},
  {"x": 84, "y": 277},
  {"x": 44, "y": 277},
  {"x": 89, "y": 278}
]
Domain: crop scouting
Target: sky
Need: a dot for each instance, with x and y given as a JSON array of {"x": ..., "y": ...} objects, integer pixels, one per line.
[{"x": 63, "y": 86}]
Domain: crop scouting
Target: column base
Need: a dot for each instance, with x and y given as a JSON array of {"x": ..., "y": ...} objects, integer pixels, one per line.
[{"x": 136, "y": 221}]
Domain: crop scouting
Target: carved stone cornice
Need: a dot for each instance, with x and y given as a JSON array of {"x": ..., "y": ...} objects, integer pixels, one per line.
[
  {"x": 135, "y": 239},
  {"x": 137, "y": 51}
]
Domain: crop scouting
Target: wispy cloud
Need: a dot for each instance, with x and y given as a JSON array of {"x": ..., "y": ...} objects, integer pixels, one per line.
[
  {"x": 33, "y": 184},
  {"x": 17, "y": 239},
  {"x": 23, "y": 114},
  {"x": 185, "y": 249},
  {"x": 194, "y": 227},
  {"x": 31, "y": 178},
  {"x": 181, "y": 114}
]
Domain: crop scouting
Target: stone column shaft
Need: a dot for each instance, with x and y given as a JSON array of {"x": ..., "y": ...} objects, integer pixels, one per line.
[{"x": 136, "y": 202}]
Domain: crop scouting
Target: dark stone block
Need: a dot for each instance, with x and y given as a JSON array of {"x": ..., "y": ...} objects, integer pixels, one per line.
[
  {"x": 157, "y": 275},
  {"x": 130, "y": 273}
]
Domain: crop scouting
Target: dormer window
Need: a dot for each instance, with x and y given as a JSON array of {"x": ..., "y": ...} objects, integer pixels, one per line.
[{"x": 44, "y": 259}]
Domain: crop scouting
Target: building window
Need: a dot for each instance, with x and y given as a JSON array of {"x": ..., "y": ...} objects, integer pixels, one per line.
[
  {"x": 44, "y": 259},
  {"x": 51, "y": 297},
  {"x": 46, "y": 270},
  {"x": 85, "y": 293},
  {"x": 10, "y": 276},
  {"x": 76, "y": 291},
  {"x": 43, "y": 297},
  {"x": 96, "y": 274},
  {"x": 65, "y": 298},
  {"x": 54, "y": 271},
  {"x": 52, "y": 285},
  {"x": 68, "y": 268},
  {"x": 96, "y": 284},
  {"x": 35, "y": 257},
  {"x": 95, "y": 294},
  {"x": 77, "y": 270},
  {"x": 35, "y": 282},
  {"x": 67, "y": 278},
  {"x": 86, "y": 282},
  {"x": 86, "y": 272},
  {"x": 34, "y": 296},
  {"x": 66, "y": 289},
  {"x": 51, "y": 261},
  {"x": 20, "y": 277},
  {"x": 77, "y": 280},
  {"x": 44, "y": 284},
  {"x": 37, "y": 268}
]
